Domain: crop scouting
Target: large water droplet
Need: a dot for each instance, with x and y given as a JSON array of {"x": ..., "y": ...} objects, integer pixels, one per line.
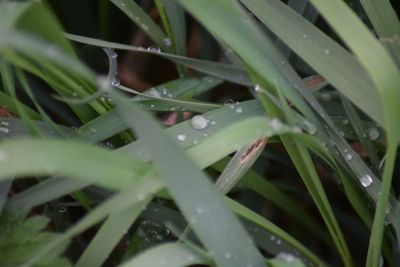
[
  {"x": 181, "y": 137},
  {"x": 4, "y": 123},
  {"x": 366, "y": 180},
  {"x": 153, "y": 92},
  {"x": 199, "y": 122},
  {"x": 285, "y": 256},
  {"x": 373, "y": 133},
  {"x": 349, "y": 156}
]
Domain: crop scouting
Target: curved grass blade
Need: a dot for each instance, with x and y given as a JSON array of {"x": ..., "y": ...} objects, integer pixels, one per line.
[
  {"x": 110, "y": 233},
  {"x": 281, "y": 241},
  {"x": 142, "y": 20},
  {"x": 224, "y": 71},
  {"x": 21, "y": 157},
  {"x": 268, "y": 190},
  {"x": 252, "y": 55},
  {"x": 145, "y": 187},
  {"x": 194, "y": 204},
  {"x": 385, "y": 76},
  {"x": 383, "y": 17},
  {"x": 320, "y": 52},
  {"x": 7, "y": 76}
]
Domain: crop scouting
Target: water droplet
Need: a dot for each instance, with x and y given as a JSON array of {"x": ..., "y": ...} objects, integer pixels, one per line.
[
  {"x": 309, "y": 127},
  {"x": 153, "y": 92},
  {"x": 238, "y": 110},
  {"x": 229, "y": 103},
  {"x": 285, "y": 256},
  {"x": 4, "y": 130},
  {"x": 200, "y": 210},
  {"x": 304, "y": 35},
  {"x": 275, "y": 124},
  {"x": 93, "y": 130},
  {"x": 213, "y": 122},
  {"x": 349, "y": 156},
  {"x": 152, "y": 106},
  {"x": 327, "y": 51},
  {"x": 153, "y": 48},
  {"x": 205, "y": 134},
  {"x": 4, "y": 123},
  {"x": 366, "y": 180},
  {"x": 167, "y": 42},
  {"x": 345, "y": 121},
  {"x": 227, "y": 255},
  {"x": 272, "y": 237},
  {"x": 61, "y": 208},
  {"x": 115, "y": 81},
  {"x": 181, "y": 137},
  {"x": 114, "y": 55},
  {"x": 199, "y": 122},
  {"x": 257, "y": 88},
  {"x": 373, "y": 133}
]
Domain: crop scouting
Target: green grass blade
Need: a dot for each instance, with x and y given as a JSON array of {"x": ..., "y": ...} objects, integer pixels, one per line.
[
  {"x": 280, "y": 237},
  {"x": 183, "y": 256},
  {"x": 224, "y": 71},
  {"x": 108, "y": 236},
  {"x": 320, "y": 52},
  {"x": 143, "y": 21},
  {"x": 42, "y": 157},
  {"x": 173, "y": 19},
  {"x": 383, "y": 17},
  {"x": 194, "y": 203},
  {"x": 144, "y": 187},
  {"x": 54, "y": 188},
  {"x": 362, "y": 133}
]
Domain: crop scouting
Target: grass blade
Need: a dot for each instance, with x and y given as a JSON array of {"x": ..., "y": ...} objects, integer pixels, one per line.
[{"x": 193, "y": 203}]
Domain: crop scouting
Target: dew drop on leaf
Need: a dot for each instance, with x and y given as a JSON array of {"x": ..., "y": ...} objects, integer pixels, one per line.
[
  {"x": 366, "y": 180},
  {"x": 373, "y": 133},
  {"x": 199, "y": 122},
  {"x": 181, "y": 137}
]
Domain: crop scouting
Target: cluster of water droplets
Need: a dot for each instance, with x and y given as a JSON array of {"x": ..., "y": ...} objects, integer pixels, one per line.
[
  {"x": 4, "y": 127},
  {"x": 373, "y": 133},
  {"x": 154, "y": 49},
  {"x": 152, "y": 232},
  {"x": 235, "y": 106}
]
